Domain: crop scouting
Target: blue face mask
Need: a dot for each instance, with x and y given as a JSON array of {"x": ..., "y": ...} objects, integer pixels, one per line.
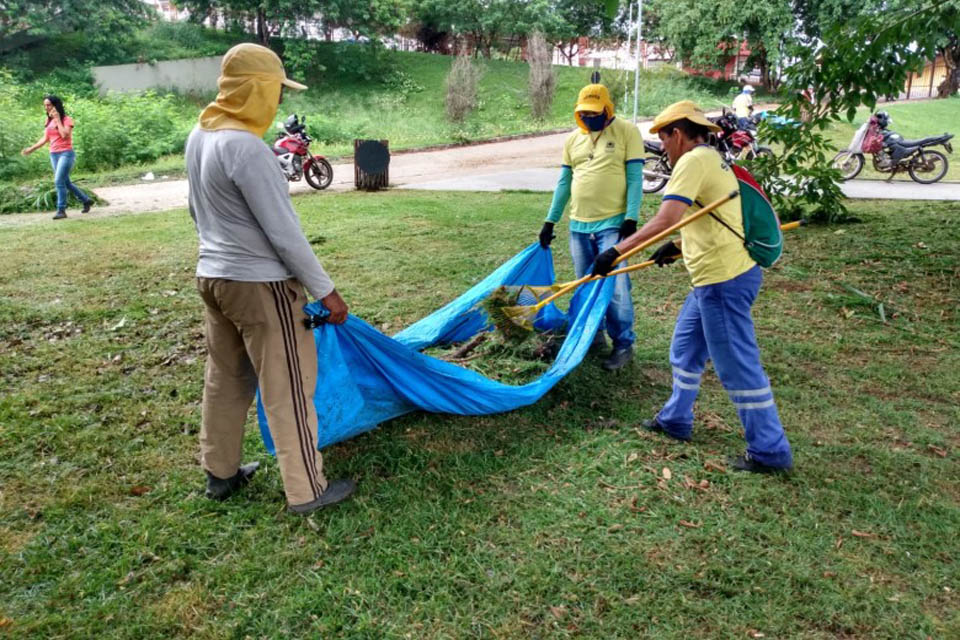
[{"x": 595, "y": 123}]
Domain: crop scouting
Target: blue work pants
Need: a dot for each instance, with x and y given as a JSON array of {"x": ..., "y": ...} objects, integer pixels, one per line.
[{"x": 715, "y": 324}]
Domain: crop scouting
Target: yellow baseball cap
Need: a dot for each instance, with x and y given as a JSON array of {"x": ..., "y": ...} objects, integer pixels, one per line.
[
  {"x": 250, "y": 59},
  {"x": 685, "y": 109},
  {"x": 593, "y": 97}
]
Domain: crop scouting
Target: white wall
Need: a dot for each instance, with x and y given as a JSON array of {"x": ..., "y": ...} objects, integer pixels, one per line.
[{"x": 193, "y": 75}]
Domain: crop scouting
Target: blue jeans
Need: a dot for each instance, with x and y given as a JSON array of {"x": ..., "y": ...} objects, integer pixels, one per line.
[
  {"x": 584, "y": 249},
  {"x": 62, "y": 162},
  {"x": 715, "y": 323}
]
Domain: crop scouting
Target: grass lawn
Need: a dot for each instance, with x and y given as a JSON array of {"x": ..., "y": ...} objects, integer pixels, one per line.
[
  {"x": 560, "y": 520},
  {"x": 912, "y": 120}
]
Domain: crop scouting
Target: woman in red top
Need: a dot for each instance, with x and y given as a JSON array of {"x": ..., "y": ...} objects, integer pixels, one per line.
[{"x": 59, "y": 133}]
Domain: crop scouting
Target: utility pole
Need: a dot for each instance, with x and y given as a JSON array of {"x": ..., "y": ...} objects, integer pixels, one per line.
[
  {"x": 636, "y": 71},
  {"x": 629, "y": 25}
]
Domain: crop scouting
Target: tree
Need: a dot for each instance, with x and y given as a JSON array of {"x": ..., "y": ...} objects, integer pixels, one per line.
[
  {"x": 850, "y": 64},
  {"x": 818, "y": 16},
  {"x": 542, "y": 80},
  {"x": 950, "y": 50},
  {"x": 704, "y": 34},
  {"x": 572, "y": 19},
  {"x": 23, "y": 22}
]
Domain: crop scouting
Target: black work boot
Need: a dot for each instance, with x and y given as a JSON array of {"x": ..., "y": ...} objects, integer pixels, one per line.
[
  {"x": 86, "y": 206},
  {"x": 61, "y": 214},
  {"x": 654, "y": 425},
  {"x": 220, "y": 489},
  {"x": 746, "y": 463},
  {"x": 618, "y": 358},
  {"x": 337, "y": 491}
]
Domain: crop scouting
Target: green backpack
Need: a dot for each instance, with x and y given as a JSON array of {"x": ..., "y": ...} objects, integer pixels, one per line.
[{"x": 761, "y": 228}]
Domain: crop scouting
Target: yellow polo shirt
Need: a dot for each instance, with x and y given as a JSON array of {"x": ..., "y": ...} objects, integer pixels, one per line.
[
  {"x": 599, "y": 189},
  {"x": 710, "y": 251},
  {"x": 742, "y": 104}
]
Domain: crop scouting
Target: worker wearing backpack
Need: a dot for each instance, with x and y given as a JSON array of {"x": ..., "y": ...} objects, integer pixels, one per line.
[{"x": 714, "y": 322}]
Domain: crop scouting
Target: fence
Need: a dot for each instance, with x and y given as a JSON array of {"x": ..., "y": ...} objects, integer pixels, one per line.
[{"x": 924, "y": 84}]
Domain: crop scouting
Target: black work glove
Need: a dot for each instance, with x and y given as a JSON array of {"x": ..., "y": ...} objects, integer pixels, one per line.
[
  {"x": 605, "y": 261},
  {"x": 628, "y": 228},
  {"x": 666, "y": 254},
  {"x": 546, "y": 234}
]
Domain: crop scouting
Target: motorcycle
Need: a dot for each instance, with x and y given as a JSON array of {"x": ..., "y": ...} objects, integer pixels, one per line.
[
  {"x": 656, "y": 168},
  {"x": 737, "y": 144},
  {"x": 734, "y": 144},
  {"x": 892, "y": 154},
  {"x": 292, "y": 149}
]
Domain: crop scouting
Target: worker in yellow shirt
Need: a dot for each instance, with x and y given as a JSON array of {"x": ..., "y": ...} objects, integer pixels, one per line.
[
  {"x": 714, "y": 322},
  {"x": 602, "y": 179},
  {"x": 743, "y": 106}
]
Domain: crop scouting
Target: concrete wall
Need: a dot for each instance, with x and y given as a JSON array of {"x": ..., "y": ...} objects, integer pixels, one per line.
[{"x": 193, "y": 75}]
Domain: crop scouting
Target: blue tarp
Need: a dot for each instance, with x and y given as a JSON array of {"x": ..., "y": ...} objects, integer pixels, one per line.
[{"x": 366, "y": 377}]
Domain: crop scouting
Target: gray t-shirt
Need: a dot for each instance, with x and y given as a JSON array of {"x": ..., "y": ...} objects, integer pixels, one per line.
[{"x": 240, "y": 203}]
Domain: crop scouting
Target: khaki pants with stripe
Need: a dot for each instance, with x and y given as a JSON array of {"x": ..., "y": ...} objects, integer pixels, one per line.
[{"x": 255, "y": 334}]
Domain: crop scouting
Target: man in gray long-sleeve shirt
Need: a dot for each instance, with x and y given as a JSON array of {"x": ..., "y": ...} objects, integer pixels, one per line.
[{"x": 253, "y": 265}]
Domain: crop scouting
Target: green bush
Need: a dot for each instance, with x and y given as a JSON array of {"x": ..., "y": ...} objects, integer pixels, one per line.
[
  {"x": 129, "y": 128},
  {"x": 340, "y": 62},
  {"x": 110, "y": 131}
]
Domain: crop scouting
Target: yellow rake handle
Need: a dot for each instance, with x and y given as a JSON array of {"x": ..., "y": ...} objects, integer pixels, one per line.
[
  {"x": 789, "y": 226},
  {"x": 640, "y": 247}
]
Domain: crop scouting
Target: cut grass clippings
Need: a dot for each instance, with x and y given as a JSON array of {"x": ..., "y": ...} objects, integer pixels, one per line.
[{"x": 558, "y": 520}]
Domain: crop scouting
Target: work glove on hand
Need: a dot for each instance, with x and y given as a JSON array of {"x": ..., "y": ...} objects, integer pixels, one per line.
[
  {"x": 546, "y": 234},
  {"x": 666, "y": 254},
  {"x": 605, "y": 261},
  {"x": 628, "y": 228}
]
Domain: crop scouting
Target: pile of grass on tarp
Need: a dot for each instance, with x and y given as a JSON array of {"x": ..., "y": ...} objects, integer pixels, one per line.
[{"x": 505, "y": 358}]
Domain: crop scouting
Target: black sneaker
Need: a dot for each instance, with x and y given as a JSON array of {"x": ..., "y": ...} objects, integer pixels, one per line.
[
  {"x": 618, "y": 359},
  {"x": 220, "y": 489},
  {"x": 61, "y": 214},
  {"x": 337, "y": 491},
  {"x": 654, "y": 426},
  {"x": 746, "y": 463},
  {"x": 86, "y": 206}
]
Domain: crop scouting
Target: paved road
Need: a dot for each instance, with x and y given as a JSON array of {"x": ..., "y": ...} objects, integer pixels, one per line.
[
  {"x": 545, "y": 179},
  {"x": 527, "y": 163}
]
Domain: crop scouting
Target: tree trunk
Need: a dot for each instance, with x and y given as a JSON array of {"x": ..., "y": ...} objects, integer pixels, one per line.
[
  {"x": 263, "y": 34},
  {"x": 950, "y": 84}
]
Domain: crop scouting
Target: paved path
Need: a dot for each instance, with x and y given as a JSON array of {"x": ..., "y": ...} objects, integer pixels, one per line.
[
  {"x": 545, "y": 179},
  {"x": 526, "y": 163}
]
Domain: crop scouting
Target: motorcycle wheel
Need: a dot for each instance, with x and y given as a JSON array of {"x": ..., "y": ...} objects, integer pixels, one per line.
[
  {"x": 848, "y": 164},
  {"x": 319, "y": 174},
  {"x": 659, "y": 165},
  {"x": 932, "y": 166}
]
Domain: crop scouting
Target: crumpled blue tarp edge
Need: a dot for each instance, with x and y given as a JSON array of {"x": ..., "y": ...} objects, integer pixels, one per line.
[{"x": 366, "y": 378}]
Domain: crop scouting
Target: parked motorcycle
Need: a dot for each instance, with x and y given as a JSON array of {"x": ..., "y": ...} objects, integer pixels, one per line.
[
  {"x": 737, "y": 144},
  {"x": 656, "y": 167},
  {"x": 292, "y": 149},
  {"x": 892, "y": 154},
  {"x": 734, "y": 144}
]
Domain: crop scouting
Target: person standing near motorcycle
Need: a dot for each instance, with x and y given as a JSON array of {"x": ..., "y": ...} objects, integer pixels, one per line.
[
  {"x": 58, "y": 131},
  {"x": 602, "y": 179},
  {"x": 714, "y": 322},
  {"x": 254, "y": 262},
  {"x": 743, "y": 106}
]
